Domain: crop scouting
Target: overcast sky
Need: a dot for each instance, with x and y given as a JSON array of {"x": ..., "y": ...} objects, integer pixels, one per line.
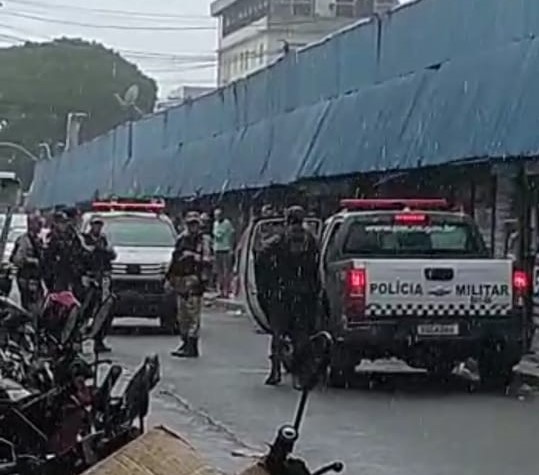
[{"x": 173, "y": 41}]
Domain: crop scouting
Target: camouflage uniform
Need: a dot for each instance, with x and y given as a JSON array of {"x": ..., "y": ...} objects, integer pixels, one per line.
[
  {"x": 188, "y": 275},
  {"x": 98, "y": 266},
  {"x": 27, "y": 259}
]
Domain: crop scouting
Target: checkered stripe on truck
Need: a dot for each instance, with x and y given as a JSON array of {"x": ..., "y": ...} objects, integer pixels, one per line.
[{"x": 437, "y": 310}]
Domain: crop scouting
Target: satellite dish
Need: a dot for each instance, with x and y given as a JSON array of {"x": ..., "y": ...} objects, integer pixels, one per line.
[
  {"x": 130, "y": 98},
  {"x": 131, "y": 95}
]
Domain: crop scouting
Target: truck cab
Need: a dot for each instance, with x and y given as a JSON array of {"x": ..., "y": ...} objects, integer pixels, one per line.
[{"x": 143, "y": 238}]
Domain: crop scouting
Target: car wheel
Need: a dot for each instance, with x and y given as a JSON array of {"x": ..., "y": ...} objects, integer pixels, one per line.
[{"x": 341, "y": 369}]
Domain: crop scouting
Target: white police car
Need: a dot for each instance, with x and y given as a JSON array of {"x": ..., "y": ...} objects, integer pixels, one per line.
[{"x": 143, "y": 238}]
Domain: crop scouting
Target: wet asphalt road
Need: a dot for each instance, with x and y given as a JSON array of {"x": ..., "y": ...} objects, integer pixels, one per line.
[{"x": 406, "y": 425}]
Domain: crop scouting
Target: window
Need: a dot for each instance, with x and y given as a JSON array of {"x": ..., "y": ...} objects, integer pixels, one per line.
[
  {"x": 139, "y": 232},
  {"x": 242, "y": 61},
  {"x": 354, "y": 8},
  {"x": 331, "y": 249},
  {"x": 286, "y": 8},
  {"x": 385, "y": 238},
  {"x": 243, "y": 13}
]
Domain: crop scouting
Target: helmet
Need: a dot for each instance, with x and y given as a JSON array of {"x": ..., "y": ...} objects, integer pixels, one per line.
[{"x": 295, "y": 215}]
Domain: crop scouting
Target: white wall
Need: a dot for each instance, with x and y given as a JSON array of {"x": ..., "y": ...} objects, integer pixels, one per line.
[
  {"x": 256, "y": 46},
  {"x": 243, "y": 58}
]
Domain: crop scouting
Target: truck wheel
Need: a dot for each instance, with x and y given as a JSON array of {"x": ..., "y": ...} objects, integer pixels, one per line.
[
  {"x": 441, "y": 371},
  {"x": 496, "y": 367},
  {"x": 341, "y": 369}
]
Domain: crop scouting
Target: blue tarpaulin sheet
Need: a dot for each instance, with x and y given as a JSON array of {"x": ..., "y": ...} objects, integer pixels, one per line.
[{"x": 430, "y": 83}]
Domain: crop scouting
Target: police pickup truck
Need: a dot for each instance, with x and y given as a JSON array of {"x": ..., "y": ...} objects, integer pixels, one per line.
[
  {"x": 413, "y": 280},
  {"x": 143, "y": 238}
]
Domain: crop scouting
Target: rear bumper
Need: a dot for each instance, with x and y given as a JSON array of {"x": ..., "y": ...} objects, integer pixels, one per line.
[{"x": 396, "y": 337}]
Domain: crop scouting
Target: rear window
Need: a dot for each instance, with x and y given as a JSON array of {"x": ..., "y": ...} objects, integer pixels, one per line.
[
  {"x": 436, "y": 238},
  {"x": 139, "y": 232}
]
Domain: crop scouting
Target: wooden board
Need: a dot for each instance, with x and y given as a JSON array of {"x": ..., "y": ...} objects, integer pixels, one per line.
[{"x": 159, "y": 451}]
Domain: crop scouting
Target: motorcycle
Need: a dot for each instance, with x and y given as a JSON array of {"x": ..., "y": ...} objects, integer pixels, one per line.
[
  {"x": 280, "y": 459},
  {"x": 54, "y": 416}
]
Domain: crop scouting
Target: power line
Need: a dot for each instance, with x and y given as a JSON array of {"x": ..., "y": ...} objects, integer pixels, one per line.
[
  {"x": 109, "y": 27},
  {"x": 108, "y": 11},
  {"x": 7, "y": 37},
  {"x": 179, "y": 57}
]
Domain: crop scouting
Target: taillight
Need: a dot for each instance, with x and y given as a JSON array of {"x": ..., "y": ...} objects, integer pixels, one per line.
[
  {"x": 521, "y": 282},
  {"x": 356, "y": 285},
  {"x": 521, "y": 287}
]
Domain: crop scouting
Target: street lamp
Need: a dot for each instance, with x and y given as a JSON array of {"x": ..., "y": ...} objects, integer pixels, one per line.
[{"x": 24, "y": 150}]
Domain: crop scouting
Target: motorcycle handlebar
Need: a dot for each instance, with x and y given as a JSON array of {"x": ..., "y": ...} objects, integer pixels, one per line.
[{"x": 336, "y": 467}]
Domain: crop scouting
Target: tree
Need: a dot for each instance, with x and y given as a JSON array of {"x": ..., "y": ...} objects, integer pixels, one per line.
[{"x": 40, "y": 83}]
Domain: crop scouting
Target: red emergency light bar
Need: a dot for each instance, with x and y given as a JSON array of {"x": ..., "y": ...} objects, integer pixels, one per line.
[
  {"x": 156, "y": 207},
  {"x": 410, "y": 219},
  {"x": 394, "y": 203}
]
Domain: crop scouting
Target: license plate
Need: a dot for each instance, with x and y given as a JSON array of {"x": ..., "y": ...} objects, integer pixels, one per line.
[{"x": 438, "y": 329}]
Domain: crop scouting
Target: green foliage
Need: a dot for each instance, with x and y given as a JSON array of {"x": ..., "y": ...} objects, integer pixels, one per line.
[{"x": 41, "y": 83}]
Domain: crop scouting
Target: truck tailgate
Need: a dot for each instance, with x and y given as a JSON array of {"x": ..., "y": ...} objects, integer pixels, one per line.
[{"x": 424, "y": 287}]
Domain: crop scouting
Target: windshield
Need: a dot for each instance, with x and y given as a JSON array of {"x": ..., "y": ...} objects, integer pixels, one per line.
[
  {"x": 139, "y": 232},
  {"x": 437, "y": 238}
]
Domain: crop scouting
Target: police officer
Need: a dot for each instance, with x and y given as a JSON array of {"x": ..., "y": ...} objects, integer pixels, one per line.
[
  {"x": 26, "y": 257},
  {"x": 293, "y": 257},
  {"x": 97, "y": 267},
  {"x": 64, "y": 257},
  {"x": 264, "y": 273},
  {"x": 188, "y": 275}
]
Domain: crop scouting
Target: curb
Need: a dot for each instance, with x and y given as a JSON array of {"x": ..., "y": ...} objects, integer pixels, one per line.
[{"x": 224, "y": 304}]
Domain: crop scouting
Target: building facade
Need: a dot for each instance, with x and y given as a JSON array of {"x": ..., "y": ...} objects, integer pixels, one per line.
[
  {"x": 180, "y": 95},
  {"x": 252, "y": 33}
]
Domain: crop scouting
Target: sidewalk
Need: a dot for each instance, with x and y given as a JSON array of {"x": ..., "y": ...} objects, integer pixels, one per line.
[{"x": 212, "y": 300}]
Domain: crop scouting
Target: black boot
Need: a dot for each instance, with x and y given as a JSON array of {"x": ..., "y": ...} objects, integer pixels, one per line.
[
  {"x": 181, "y": 351},
  {"x": 194, "y": 350},
  {"x": 274, "y": 377},
  {"x": 188, "y": 350}
]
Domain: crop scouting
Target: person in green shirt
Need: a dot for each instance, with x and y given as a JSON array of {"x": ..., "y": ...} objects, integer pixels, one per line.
[{"x": 223, "y": 248}]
